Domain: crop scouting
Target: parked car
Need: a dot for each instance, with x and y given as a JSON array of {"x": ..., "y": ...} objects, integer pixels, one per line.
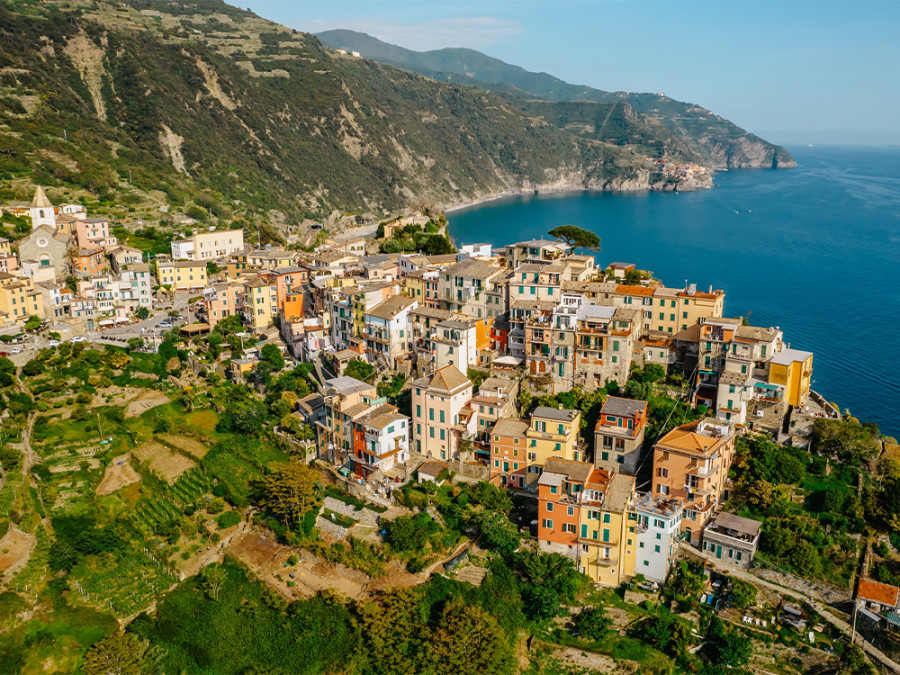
[
  {"x": 80, "y": 338},
  {"x": 54, "y": 343},
  {"x": 15, "y": 350}
]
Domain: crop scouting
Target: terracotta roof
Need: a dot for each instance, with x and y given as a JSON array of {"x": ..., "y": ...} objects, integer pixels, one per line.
[
  {"x": 448, "y": 379},
  {"x": 623, "y": 289},
  {"x": 883, "y": 594},
  {"x": 687, "y": 439},
  {"x": 391, "y": 307}
]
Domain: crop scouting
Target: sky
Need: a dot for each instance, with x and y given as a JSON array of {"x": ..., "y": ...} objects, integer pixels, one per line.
[{"x": 809, "y": 71}]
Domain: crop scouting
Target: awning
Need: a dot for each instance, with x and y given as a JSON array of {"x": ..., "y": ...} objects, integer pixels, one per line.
[
  {"x": 122, "y": 319},
  {"x": 763, "y": 385},
  {"x": 893, "y": 618},
  {"x": 107, "y": 322}
]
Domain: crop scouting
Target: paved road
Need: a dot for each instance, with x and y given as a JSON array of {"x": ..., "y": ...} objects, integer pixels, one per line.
[{"x": 826, "y": 614}]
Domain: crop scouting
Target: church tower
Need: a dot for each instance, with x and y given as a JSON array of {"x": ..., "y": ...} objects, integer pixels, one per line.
[{"x": 42, "y": 210}]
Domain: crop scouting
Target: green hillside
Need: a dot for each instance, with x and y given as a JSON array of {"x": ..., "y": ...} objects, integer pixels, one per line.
[
  {"x": 717, "y": 141},
  {"x": 148, "y": 107}
]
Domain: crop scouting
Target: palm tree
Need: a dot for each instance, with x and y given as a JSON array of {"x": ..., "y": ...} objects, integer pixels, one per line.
[{"x": 71, "y": 257}]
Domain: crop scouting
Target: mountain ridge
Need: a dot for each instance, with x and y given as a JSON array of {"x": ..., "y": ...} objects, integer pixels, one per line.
[{"x": 719, "y": 142}]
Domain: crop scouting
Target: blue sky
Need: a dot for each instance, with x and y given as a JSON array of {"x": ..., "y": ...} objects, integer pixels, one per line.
[{"x": 793, "y": 72}]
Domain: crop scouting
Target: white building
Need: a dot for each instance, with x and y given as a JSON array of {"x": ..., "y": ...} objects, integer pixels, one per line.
[
  {"x": 453, "y": 342},
  {"x": 658, "y": 523},
  {"x": 387, "y": 444},
  {"x": 388, "y": 328},
  {"x": 208, "y": 245}
]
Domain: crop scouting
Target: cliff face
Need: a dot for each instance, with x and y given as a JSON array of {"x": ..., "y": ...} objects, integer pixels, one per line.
[{"x": 694, "y": 131}]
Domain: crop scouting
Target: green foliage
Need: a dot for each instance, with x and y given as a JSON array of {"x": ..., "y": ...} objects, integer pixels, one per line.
[
  {"x": 663, "y": 630},
  {"x": 576, "y": 237},
  {"x": 591, "y": 623},
  {"x": 289, "y": 493},
  {"x": 410, "y": 533},
  {"x": 497, "y": 533},
  {"x": 743, "y": 594},
  {"x": 492, "y": 497},
  {"x": 120, "y": 653},
  {"x": 727, "y": 647},
  {"x": 477, "y": 377},
  {"x": 247, "y": 628},
  {"x": 272, "y": 355},
  {"x": 33, "y": 323},
  {"x": 360, "y": 370},
  {"x": 845, "y": 439},
  {"x": 687, "y": 581},
  {"x": 228, "y": 519}
]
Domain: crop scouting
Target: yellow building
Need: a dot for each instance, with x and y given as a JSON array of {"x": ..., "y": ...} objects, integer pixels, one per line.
[
  {"x": 260, "y": 303},
  {"x": 606, "y": 536},
  {"x": 792, "y": 369},
  {"x": 18, "y": 300},
  {"x": 551, "y": 433},
  {"x": 5, "y": 247},
  {"x": 182, "y": 275},
  {"x": 669, "y": 310}
]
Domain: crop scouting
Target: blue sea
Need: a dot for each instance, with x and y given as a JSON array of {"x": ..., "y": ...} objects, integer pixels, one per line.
[{"x": 814, "y": 250}]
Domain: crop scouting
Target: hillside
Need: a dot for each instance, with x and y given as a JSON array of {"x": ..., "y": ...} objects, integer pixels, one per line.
[
  {"x": 148, "y": 107},
  {"x": 717, "y": 141}
]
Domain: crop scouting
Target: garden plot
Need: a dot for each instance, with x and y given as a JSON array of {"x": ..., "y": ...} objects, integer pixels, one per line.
[
  {"x": 73, "y": 464},
  {"x": 118, "y": 474},
  {"x": 162, "y": 461},
  {"x": 191, "y": 446},
  {"x": 15, "y": 547},
  {"x": 144, "y": 402}
]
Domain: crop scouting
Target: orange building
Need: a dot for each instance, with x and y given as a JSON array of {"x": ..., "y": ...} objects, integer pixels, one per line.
[
  {"x": 691, "y": 462},
  {"x": 289, "y": 283},
  {"x": 558, "y": 505},
  {"x": 508, "y": 453},
  {"x": 89, "y": 261}
]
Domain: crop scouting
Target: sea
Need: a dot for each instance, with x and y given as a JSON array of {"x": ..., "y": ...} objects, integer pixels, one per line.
[{"x": 813, "y": 250}]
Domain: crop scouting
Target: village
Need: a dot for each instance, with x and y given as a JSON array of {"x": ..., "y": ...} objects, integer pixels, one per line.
[{"x": 529, "y": 367}]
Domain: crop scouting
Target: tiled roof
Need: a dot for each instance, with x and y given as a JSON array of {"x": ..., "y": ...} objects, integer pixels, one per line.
[
  {"x": 510, "y": 427},
  {"x": 562, "y": 415},
  {"x": 883, "y": 594},
  {"x": 624, "y": 289},
  {"x": 577, "y": 472},
  {"x": 623, "y": 407},
  {"x": 687, "y": 439}
]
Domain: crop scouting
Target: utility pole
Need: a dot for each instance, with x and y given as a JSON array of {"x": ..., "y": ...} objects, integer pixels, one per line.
[
  {"x": 99, "y": 428},
  {"x": 853, "y": 633}
]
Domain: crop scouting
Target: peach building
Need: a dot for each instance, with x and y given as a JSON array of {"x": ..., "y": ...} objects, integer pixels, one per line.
[
  {"x": 691, "y": 463},
  {"x": 438, "y": 403}
]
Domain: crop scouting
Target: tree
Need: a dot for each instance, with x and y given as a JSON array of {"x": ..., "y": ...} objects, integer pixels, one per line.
[
  {"x": 212, "y": 577},
  {"x": 743, "y": 594},
  {"x": 468, "y": 640},
  {"x": 289, "y": 493},
  {"x": 33, "y": 367},
  {"x": 360, "y": 370},
  {"x": 410, "y": 533},
  {"x": 576, "y": 237},
  {"x": 653, "y": 372},
  {"x": 665, "y": 631},
  {"x": 117, "y": 654},
  {"x": 141, "y": 313},
  {"x": 497, "y": 533},
  {"x": 727, "y": 646},
  {"x": 393, "y": 625},
  {"x": 492, "y": 497},
  {"x": 33, "y": 323},
  {"x": 591, "y": 623},
  {"x": 272, "y": 355},
  {"x": 135, "y": 343}
]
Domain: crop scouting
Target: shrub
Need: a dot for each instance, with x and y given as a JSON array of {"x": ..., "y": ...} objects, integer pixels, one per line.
[{"x": 228, "y": 519}]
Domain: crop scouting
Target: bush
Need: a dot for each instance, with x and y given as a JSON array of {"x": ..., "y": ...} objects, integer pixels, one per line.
[{"x": 228, "y": 519}]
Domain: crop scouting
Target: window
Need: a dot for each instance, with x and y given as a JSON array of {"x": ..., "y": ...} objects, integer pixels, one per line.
[
  {"x": 570, "y": 511},
  {"x": 442, "y": 415},
  {"x": 662, "y": 489},
  {"x": 605, "y": 517},
  {"x": 549, "y": 508},
  {"x": 553, "y": 489},
  {"x": 431, "y": 432},
  {"x": 662, "y": 472},
  {"x": 605, "y": 534},
  {"x": 443, "y": 435},
  {"x": 656, "y": 548},
  {"x": 547, "y": 523},
  {"x": 418, "y": 410},
  {"x": 431, "y": 414}
]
